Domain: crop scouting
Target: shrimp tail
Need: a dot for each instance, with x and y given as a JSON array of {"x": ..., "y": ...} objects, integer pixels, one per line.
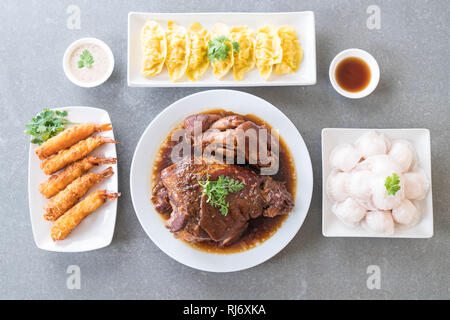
[
  {"x": 107, "y": 173},
  {"x": 103, "y": 127},
  {"x": 96, "y": 161},
  {"x": 108, "y": 140},
  {"x": 110, "y": 196}
]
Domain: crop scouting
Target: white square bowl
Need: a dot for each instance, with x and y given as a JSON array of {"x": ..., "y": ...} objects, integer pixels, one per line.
[
  {"x": 302, "y": 22},
  {"x": 420, "y": 138}
]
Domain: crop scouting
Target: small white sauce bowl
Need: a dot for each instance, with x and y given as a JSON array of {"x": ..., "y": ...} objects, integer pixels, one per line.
[
  {"x": 75, "y": 45},
  {"x": 374, "y": 71}
]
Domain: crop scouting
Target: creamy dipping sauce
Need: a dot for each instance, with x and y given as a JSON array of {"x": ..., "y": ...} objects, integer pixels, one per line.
[{"x": 97, "y": 70}]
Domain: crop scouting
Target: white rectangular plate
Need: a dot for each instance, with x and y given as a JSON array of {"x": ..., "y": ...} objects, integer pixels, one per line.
[
  {"x": 420, "y": 138},
  {"x": 303, "y": 23},
  {"x": 96, "y": 230}
]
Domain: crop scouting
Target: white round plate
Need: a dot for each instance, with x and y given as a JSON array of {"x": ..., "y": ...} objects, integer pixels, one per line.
[{"x": 146, "y": 150}]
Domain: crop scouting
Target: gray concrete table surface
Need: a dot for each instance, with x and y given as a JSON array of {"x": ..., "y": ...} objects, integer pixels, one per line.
[{"x": 411, "y": 47}]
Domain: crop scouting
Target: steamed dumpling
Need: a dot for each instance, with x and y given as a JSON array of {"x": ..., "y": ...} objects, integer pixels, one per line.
[
  {"x": 222, "y": 67},
  {"x": 379, "y": 222},
  {"x": 359, "y": 186},
  {"x": 416, "y": 185},
  {"x": 372, "y": 143},
  {"x": 244, "y": 58},
  {"x": 406, "y": 213},
  {"x": 380, "y": 198},
  {"x": 154, "y": 48},
  {"x": 344, "y": 157},
  {"x": 292, "y": 52},
  {"x": 268, "y": 50},
  {"x": 381, "y": 164},
  {"x": 337, "y": 186},
  {"x": 403, "y": 153},
  {"x": 349, "y": 212},
  {"x": 198, "y": 59},
  {"x": 178, "y": 50}
]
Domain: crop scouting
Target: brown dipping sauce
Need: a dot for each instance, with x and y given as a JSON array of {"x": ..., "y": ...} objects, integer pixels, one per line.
[
  {"x": 353, "y": 74},
  {"x": 259, "y": 229}
]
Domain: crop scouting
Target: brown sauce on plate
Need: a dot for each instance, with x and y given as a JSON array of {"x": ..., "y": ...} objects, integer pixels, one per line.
[
  {"x": 259, "y": 229},
  {"x": 353, "y": 74}
]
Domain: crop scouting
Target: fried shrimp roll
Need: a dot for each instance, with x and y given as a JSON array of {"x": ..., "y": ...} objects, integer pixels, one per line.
[
  {"x": 68, "y": 138},
  {"x": 67, "y": 198},
  {"x": 72, "y": 218},
  {"x": 74, "y": 153},
  {"x": 59, "y": 181}
]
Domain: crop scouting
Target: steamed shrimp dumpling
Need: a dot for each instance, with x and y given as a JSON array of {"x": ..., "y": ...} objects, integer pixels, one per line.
[
  {"x": 344, "y": 157},
  {"x": 198, "y": 59},
  {"x": 154, "y": 48},
  {"x": 381, "y": 164},
  {"x": 358, "y": 185},
  {"x": 337, "y": 186},
  {"x": 178, "y": 50},
  {"x": 380, "y": 198},
  {"x": 403, "y": 153},
  {"x": 244, "y": 58},
  {"x": 405, "y": 213},
  {"x": 350, "y": 212},
  {"x": 416, "y": 185},
  {"x": 379, "y": 221},
  {"x": 371, "y": 143},
  {"x": 292, "y": 52}
]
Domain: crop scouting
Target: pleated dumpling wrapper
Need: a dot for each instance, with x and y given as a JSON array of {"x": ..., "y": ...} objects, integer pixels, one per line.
[
  {"x": 154, "y": 48},
  {"x": 198, "y": 60},
  {"x": 221, "y": 67},
  {"x": 268, "y": 50},
  {"x": 292, "y": 52},
  {"x": 178, "y": 50},
  {"x": 244, "y": 59}
]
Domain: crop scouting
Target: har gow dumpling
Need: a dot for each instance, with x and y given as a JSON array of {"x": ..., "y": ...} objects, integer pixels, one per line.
[
  {"x": 358, "y": 185},
  {"x": 372, "y": 143},
  {"x": 403, "y": 153},
  {"x": 350, "y": 212},
  {"x": 381, "y": 164},
  {"x": 337, "y": 185},
  {"x": 379, "y": 221},
  {"x": 406, "y": 213},
  {"x": 344, "y": 157},
  {"x": 380, "y": 198},
  {"x": 416, "y": 185}
]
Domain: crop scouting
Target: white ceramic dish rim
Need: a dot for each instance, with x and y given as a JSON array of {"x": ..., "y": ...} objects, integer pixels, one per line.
[
  {"x": 371, "y": 62},
  {"x": 72, "y": 47},
  {"x": 313, "y": 81},
  {"x": 301, "y": 209},
  {"x": 108, "y": 240},
  {"x": 367, "y": 234}
]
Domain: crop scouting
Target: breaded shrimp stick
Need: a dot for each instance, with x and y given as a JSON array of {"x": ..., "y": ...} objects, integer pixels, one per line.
[
  {"x": 74, "y": 153},
  {"x": 68, "y": 138},
  {"x": 72, "y": 218},
  {"x": 67, "y": 198},
  {"x": 59, "y": 181}
]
